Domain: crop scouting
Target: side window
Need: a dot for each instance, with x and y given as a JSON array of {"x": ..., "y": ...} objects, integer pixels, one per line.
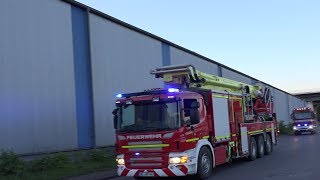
[
  {"x": 127, "y": 116},
  {"x": 187, "y": 105}
]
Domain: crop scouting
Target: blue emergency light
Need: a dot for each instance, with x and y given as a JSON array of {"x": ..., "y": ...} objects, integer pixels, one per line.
[{"x": 171, "y": 90}]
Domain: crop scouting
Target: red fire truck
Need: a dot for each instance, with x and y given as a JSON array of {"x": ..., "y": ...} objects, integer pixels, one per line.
[
  {"x": 197, "y": 122},
  {"x": 303, "y": 120}
]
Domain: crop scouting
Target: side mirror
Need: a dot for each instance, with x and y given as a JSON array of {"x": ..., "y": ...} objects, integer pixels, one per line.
[
  {"x": 194, "y": 116},
  {"x": 115, "y": 112},
  {"x": 115, "y": 121},
  {"x": 115, "y": 118},
  {"x": 291, "y": 116}
]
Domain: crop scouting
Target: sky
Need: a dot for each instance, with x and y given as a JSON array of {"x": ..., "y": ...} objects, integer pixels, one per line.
[{"x": 277, "y": 42}]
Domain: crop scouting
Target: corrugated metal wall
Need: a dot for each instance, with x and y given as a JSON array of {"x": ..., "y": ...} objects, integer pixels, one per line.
[
  {"x": 37, "y": 92},
  {"x": 180, "y": 57},
  {"x": 62, "y": 65},
  {"x": 235, "y": 76},
  {"x": 121, "y": 62}
]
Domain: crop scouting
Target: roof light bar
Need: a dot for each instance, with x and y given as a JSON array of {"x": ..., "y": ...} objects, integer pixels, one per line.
[{"x": 171, "y": 90}]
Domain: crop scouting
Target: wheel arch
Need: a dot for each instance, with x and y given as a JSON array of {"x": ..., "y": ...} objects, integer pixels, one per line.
[{"x": 205, "y": 143}]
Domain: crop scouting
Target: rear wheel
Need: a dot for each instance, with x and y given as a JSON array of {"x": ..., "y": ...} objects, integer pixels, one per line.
[
  {"x": 268, "y": 145},
  {"x": 204, "y": 163},
  {"x": 260, "y": 146},
  {"x": 253, "y": 149}
]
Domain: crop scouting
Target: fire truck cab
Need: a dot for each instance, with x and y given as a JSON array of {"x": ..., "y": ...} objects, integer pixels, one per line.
[
  {"x": 304, "y": 120},
  {"x": 197, "y": 122}
]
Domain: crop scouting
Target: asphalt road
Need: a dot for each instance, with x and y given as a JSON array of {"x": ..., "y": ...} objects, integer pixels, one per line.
[{"x": 294, "y": 158}]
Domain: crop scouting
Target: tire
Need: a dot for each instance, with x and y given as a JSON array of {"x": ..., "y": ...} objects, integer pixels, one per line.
[
  {"x": 268, "y": 145},
  {"x": 252, "y": 149},
  {"x": 260, "y": 146},
  {"x": 296, "y": 133},
  {"x": 205, "y": 164}
]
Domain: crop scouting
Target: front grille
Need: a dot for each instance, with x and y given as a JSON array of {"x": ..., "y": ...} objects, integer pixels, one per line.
[{"x": 147, "y": 160}]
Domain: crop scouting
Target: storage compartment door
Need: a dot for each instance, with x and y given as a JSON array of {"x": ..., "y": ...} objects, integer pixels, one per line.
[{"x": 221, "y": 118}]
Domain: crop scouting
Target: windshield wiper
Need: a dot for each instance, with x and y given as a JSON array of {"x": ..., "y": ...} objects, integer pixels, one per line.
[
  {"x": 128, "y": 129},
  {"x": 155, "y": 128},
  {"x": 150, "y": 128}
]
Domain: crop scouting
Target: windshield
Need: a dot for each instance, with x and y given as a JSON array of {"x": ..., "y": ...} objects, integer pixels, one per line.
[
  {"x": 302, "y": 115},
  {"x": 149, "y": 117}
]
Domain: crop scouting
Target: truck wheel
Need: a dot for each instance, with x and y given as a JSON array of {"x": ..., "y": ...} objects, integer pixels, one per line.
[
  {"x": 260, "y": 146},
  {"x": 253, "y": 149},
  {"x": 268, "y": 145},
  {"x": 204, "y": 163}
]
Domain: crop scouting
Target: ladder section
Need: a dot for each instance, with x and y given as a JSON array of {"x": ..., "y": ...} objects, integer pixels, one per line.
[{"x": 186, "y": 76}]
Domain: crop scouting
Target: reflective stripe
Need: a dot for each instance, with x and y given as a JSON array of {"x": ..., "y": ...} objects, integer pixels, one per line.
[
  {"x": 235, "y": 98},
  {"x": 132, "y": 172},
  {"x": 268, "y": 129},
  {"x": 160, "y": 172},
  {"x": 146, "y": 146},
  {"x": 252, "y": 132},
  {"x": 172, "y": 170},
  {"x": 120, "y": 170},
  {"x": 222, "y": 137},
  {"x": 220, "y": 96},
  {"x": 193, "y": 139},
  {"x": 205, "y": 137},
  {"x": 177, "y": 171},
  {"x": 125, "y": 172}
]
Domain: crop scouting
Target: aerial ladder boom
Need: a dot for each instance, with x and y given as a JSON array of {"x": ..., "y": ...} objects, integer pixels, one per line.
[{"x": 186, "y": 76}]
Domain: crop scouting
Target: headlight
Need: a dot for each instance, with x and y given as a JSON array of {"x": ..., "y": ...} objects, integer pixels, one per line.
[
  {"x": 178, "y": 160},
  {"x": 294, "y": 127},
  {"x": 310, "y": 126},
  {"x": 120, "y": 161}
]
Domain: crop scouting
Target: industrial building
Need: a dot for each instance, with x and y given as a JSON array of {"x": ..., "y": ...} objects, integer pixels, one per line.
[{"x": 62, "y": 63}]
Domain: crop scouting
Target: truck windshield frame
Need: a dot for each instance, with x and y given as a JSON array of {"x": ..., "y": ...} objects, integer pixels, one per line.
[
  {"x": 302, "y": 115},
  {"x": 149, "y": 116}
]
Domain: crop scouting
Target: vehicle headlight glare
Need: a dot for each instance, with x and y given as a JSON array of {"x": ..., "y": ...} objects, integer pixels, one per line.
[
  {"x": 120, "y": 161},
  {"x": 178, "y": 160}
]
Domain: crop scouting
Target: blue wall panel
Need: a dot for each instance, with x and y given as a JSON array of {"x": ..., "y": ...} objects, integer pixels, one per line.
[
  {"x": 166, "y": 61},
  {"x": 82, "y": 74}
]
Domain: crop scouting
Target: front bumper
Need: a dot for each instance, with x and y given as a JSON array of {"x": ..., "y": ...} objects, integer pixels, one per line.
[
  {"x": 146, "y": 165},
  {"x": 170, "y": 171},
  {"x": 304, "y": 129}
]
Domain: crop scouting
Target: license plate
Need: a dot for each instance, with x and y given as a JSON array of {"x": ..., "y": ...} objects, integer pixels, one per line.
[{"x": 146, "y": 174}]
